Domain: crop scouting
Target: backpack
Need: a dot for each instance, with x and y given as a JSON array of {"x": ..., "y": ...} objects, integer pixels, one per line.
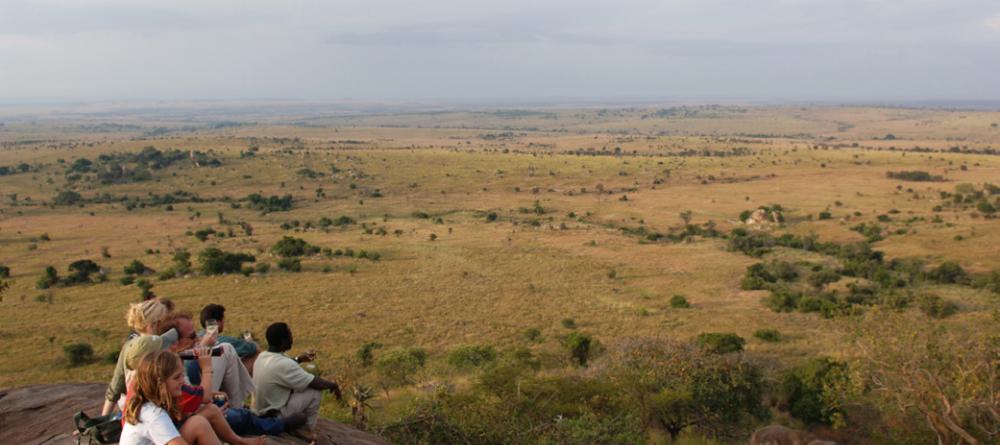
[{"x": 102, "y": 429}]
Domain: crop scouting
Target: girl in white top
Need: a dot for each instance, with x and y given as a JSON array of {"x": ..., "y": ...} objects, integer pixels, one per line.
[{"x": 151, "y": 412}]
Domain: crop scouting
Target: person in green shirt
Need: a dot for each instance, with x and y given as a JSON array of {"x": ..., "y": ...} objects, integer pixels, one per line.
[{"x": 147, "y": 320}]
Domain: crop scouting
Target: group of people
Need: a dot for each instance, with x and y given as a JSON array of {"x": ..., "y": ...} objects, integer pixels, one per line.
[{"x": 178, "y": 386}]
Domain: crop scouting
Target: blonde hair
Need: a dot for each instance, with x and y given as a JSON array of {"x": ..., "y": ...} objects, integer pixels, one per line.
[
  {"x": 150, "y": 385},
  {"x": 148, "y": 313}
]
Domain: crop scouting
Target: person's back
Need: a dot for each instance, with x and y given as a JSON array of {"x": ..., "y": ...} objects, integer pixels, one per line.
[{"x": 275, "y": 377}]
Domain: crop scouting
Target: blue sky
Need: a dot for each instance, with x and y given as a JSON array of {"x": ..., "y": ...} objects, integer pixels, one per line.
[{"x": 849, "y": 50}]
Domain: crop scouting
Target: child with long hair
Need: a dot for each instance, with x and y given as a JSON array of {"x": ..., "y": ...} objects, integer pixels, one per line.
[{"x": 152, "y": 414}]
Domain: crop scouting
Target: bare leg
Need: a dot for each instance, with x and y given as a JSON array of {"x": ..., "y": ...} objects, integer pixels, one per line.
[
  {"x": 222, "y": 429},
  {"x": 197, "y": 431}
]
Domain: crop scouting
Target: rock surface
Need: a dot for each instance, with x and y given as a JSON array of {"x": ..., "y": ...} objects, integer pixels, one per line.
[{"x": 43, "y": 414}]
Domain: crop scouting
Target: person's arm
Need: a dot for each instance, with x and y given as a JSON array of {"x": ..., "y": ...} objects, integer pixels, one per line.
[
  {"x": 205, "y": 363},
  {"x": 178, "y": 441},
  {"x": 117, "y": 385},
  {"x": 328, "y": 385}
]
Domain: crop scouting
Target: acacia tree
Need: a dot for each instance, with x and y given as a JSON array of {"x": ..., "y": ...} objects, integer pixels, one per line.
[{"x": 919, "y": 368}]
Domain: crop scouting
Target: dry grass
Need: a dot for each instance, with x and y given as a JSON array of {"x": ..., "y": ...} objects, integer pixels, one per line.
[{"x": 483, "y": 282}]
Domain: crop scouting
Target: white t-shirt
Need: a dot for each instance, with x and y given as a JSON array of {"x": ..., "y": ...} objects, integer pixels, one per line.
[
  {"x": 154, "y": 428},
  {"x": 275, "y": 377}
]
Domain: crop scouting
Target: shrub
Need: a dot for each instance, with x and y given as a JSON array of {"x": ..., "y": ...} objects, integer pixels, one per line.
[
  {"x": 399, "y": 366},
  {"x": 262, "y": 267},
  {"x": 269, "y": 204},
  {"x": 127, "y": 280},
  {"x": 915, "y": 175},
  {"x": 216, "y": 262},
  {"x": 825, "y": 215},
  {"x": 679, "y": 302},
  {"x": 136, "y": 268},
  {"x": 48, "y": 279},
  {"x": 936, "y": 307},
  {"x": 757, "y": 277},
  {"x": 823, "y": 277},
  {"x": 568, "y": 323},
  {"x": 782, "y": 300},
  {"x": 949, "y": 272},
  {"x": 78, "y": 353},
  {"x": 4, "y": 271},
  {"x": 985, "y": 207},
  {"x": 579, "y": 347},
  {"x": 203, "y": 234},
  {"x": 290, "y": 264},
  {"x": 292, "y": 247},
  {"x": 812, "y": 391},
  {"x": 366, "y": 353},
  {"x": 80, "y": 271},
  {"x": 768, "y": 335},
  {"x": 682, "y": 387},
  {"x": 532, "y": 334},
  {"x": 67, "y": 198},
  {"x": 472, "y": 356},
  {"x": 720, "y": 342},
  {"x": 492, "y": 216}
]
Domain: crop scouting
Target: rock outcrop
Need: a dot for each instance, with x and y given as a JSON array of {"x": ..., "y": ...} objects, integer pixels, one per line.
[{"x": 43, "y": 415}]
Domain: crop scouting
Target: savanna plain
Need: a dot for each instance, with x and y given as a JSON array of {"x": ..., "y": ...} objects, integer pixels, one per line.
[{"x": 569, "y": 275}]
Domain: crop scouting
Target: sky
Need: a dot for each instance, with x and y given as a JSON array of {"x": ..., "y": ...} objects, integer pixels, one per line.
[{"x": 467, "y": 50}]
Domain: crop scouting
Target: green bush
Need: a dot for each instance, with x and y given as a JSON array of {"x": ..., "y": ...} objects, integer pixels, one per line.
[
  {"x": 216, "y": 262},
  {"x": 80, "y": 272},
  {"x": 679, "y": 302},
  {"x": 532, "y": 334},
  {"x": 568, "y": 323},
  {"x": 292, "y": 247},
  {"x": 4, "y": 271},
  {"x": 78, "y": 353},
  {"x": 492, "y": 216},
  {"x": 949, "y": 272},
  {"x": 768, "y": 335},
  {"x": 127, "y": 280},
  {"x": 812, "y": 391},
  {"x": 915, "y": 175},
  {"x": 936, "y": 307},
  {"x": 472, "y": 356},
  {"x": 136, "y": 268},
  {"x": 366, "y": 353},
  {"x": 823, "y": 277},
  {"x": 398, "y": 367},
  {"x": 48, "y": 279},
  {"x": 720, "y": 342},
  {"x": 579, "y": 346},
  {"x": 67, "y": 198},
  {"x": 290, "y": 264}
]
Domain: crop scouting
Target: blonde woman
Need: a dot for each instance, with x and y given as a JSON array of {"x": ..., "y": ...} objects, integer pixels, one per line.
[
  {"x": 152, "y": 413},
  {"x": 145, "y": 319}
]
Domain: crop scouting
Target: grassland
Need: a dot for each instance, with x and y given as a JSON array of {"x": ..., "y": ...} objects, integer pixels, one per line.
[{"x": 562, "y": 182}]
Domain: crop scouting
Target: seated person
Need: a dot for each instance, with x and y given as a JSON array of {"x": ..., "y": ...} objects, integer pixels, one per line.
[
  {"x": 229, "y": 376},
  {"x": 195, "y": 400},
  {"x": 147, "y": 321},
  {"x": 246, "y": 350},
  {"x": 283, "y": 388},
  {"x": 152, "y": 415}
]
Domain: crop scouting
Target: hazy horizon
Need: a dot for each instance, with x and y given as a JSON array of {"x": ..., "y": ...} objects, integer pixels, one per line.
[{"x": 855, "y": 51}]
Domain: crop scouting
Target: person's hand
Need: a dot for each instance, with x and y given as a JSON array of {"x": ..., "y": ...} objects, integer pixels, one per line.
[
  {"x": 305, "y": 358},
  {"x": 209, "y": 340},
  {"x": 204, "y": 354},
  {"x": 335, "y": 389}
]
